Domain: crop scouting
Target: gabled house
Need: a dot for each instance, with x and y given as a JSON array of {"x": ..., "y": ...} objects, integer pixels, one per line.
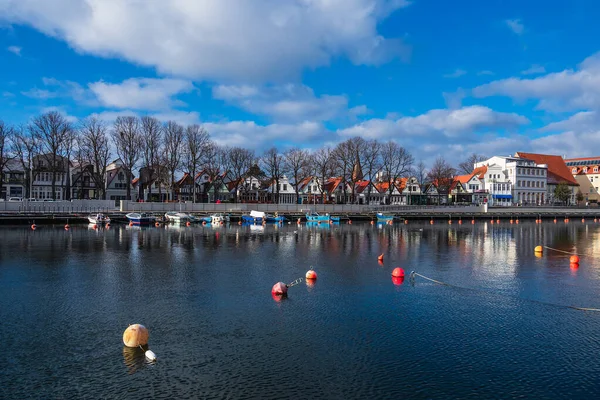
[
  {"x": 334, "y": 188},
  {"x": 83, "y": 185},
  {"x": 287, "y": 194},
  {"x": 383, "y": 189},
  {"x": 116, "y": 182},
  {"x": 310, "y": 192},
  {"x": 361, "y": 189}
]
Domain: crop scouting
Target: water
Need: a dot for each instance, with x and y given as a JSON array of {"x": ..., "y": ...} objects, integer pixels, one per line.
[{"x": 204, "y": 294}]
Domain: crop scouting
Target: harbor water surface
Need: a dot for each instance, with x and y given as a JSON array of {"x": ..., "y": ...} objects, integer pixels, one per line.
[{"x": 501, "y": 328}]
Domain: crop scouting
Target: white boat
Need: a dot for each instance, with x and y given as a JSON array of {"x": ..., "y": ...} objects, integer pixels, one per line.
[
  {"x": 98, "y": 219},
  {"x": 140, "y": 218},
  {"x": 219, "y": 219},
  {"x": 178, "y": 217}
]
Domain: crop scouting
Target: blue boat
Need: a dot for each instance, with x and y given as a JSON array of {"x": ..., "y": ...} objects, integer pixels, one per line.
[
  {"x": 384, "y": 218},
  {"x": 316, "y": 217},
  {"x": 140, "y": 218}
]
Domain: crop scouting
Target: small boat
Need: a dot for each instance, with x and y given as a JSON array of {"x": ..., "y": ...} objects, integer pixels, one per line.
[
  {"x": 316, "y": 217},
  {"x": 255, "y": 217},
  {"x": 140, "y": 218},
  {"x": 274, "y": 218},
  {"x": 178, "y": 217},
  {"x": 219, "y": 219},
  {"x": 98, "y": 219},
  {"x": 384, "y": 218}
]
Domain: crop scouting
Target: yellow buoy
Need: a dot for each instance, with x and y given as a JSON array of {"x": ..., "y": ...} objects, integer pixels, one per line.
[
  {"x": 135, "y": 335},
  {"x": 539, "y": 249}
]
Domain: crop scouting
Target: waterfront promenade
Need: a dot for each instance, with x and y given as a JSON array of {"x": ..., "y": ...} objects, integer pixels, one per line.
[{"x": 77, "y": 211}]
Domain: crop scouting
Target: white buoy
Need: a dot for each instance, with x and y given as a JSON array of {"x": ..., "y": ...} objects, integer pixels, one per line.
[{"x": 150, "y": 355}]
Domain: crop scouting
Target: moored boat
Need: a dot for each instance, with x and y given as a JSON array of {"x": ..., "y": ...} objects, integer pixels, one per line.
[
  {"x": 178, "y": 217},
  {"x": 140, "y": 218},
  {"x": 98, "y": 219},
  {"x": 384, "y": 218},
  {"x": 316, "y": 217},
  {"x": 255, "y": 217}
]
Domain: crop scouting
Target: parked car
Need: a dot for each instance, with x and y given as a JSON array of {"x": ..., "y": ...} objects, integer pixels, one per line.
[{"x": 15, "y": 199}]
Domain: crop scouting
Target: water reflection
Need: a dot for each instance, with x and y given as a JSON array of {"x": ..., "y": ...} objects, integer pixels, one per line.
[{"x": 214, "y": 284}]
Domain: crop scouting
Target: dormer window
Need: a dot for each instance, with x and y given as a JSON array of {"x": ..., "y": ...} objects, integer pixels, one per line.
[
  {"x": 595, "y": 169},
  {"x": 574, "y": 171}
]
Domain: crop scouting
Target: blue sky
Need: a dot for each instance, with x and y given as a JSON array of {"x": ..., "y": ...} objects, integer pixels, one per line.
[{"x": 439, "y": 77}]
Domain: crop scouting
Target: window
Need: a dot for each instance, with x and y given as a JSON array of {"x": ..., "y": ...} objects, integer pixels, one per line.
[
  {"x": 285, "y": 186},
  {"x": 585, "y": 170},
  {"x": 574, "y": 171},
  {"x": 595, "y": 169},
  {"x": 542, "y": 184},
  {"x": 121, "y": 176}
]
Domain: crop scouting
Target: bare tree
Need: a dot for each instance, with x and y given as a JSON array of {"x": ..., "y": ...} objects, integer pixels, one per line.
[
  {"x": 323, "y": 166},
  {"x": 6, "y": 134},
  {"x": 174, "y": 135},
  {"x": 273, "y": 165},
  {"x": 128, "y": 143},
  {"x": 195, "y": 143},
  {"x": 69, "y": 145},
  {"x": 468, "y": 165},
  {"x": 26, "y": 148},
  {"x": 296, "y": 162},
  {"x": 441, "y": 175},
  {"x": 95, "y": 150},
  {"x": 345, "y": 160},
  {"x": 371, "y": 163},
  {"x": 396, "y": 162},
  {"x": 52, "y": 130},
  {"x": 152, "y": 136},
  {"x": 239, "y": 162},
  {"x": 212, "y": 164}
]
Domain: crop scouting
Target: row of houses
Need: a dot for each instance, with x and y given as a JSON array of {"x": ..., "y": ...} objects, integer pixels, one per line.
[{"x": 524, "y": 178}]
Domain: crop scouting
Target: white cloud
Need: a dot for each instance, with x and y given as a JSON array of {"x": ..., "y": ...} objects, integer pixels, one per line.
[
  {"x": 233, "y": 40},
  {"x": 534, "y": 69},
  {"x": 569, "y": 90},
  {"x": 456, "y": 74},
  {"x": 440, "y": 124},
  {"x": 515, "y": 25},
  {"x": 141, "y": 93},
  {"x": 15, "y": 50},
  {"x": 289, "y": 103},
  {"x": 56, "y": 89}
]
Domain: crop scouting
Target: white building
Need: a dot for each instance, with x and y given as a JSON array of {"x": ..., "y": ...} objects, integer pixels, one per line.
[
  {"x": 116, "y": 182},
  {"x": 13, "y": 184},
  {"x": 509, "y": 180},
  {"x": 44, "y": 172}
]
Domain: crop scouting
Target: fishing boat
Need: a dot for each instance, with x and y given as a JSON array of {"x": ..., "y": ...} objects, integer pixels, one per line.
[
  {"x": 384, "y": 218},
  {"x": 98, "y": 219},
  {"x": 178, "y": 217},
  {"x": 316, "y": 217},
  {"x": 140, "y": 218}
]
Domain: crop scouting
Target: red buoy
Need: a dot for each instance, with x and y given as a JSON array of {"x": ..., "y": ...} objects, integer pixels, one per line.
[
  {"x": 66, "y": 227},
  {"x": 574, "y": 259},
  {"x": 310, "y": 274},
  {"x": 398, "y": 272},
  {"x": 431, "y": 222},
  {"x": 405, "y": 222},
  {"x": 188, "y": 223},
  {"x": 574, "y": 266},
  {"x": 372, "y": 222},
  {"x": 130, "y": 223},
  {"x": 33, "y": 227},
  {"x": 473, "y": 222},
  {"x": 279, "y": 289},
  {"x": 157, "y": 224},
  {"x": 380, "y": 258},
  {"x": 397, "y": 280}
]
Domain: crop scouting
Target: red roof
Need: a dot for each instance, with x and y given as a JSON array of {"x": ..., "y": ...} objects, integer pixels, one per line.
[
  {"x": 332, "y": 184},
  {"x": 480, "y": 171},
  {"x": 304, "y": 182},
  {"x": 463, "y": 178},
  {"x": 557, "y": 169},
  {"x": 360, "y": 186}
]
